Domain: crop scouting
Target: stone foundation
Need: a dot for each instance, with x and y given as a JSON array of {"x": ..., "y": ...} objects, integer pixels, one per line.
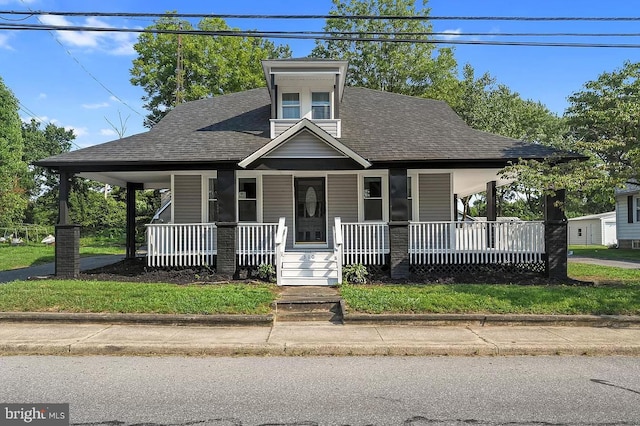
[{"x": 67, "y": 251}]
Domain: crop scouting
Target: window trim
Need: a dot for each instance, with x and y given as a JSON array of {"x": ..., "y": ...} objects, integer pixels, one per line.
[
  {"x": 258, "y": 199},
  {"x": 384, "y": 177},
  {"x": 321, "y": 104},
  {"x": 292, "y": 106}
]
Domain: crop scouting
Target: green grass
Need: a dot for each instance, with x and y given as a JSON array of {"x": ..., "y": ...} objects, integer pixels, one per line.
[
  {"x": 14, "y": 257},
  {"x": 118, "y": 297},
  {"x": 617, "y": 292},
  {"x": 602, "y": 252}
]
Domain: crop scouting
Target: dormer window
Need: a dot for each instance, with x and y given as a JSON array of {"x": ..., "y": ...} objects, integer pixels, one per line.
[
  {"x": 320, "y": 105},
  {"x": 291, "y": 105}
]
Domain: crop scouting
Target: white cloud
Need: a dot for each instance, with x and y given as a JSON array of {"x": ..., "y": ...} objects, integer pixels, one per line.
[
  {"x": 452, "y": 34},
  {"x": 4, "y": 42},
  {"x": 113, "y": 99},
  {"x": 74, "y": 38},
  {"x": 96, "y": 106},
  {"x": 108, "y": 132},
  {"x": 42, "y": 96},
  {"x": 16, "y": 1},
  {"x": 114, "y": 43},
  {"x": 78, "y": 131}
]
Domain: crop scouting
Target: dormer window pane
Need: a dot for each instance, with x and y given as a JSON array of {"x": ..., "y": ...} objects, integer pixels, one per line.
[
  {"x": 290, "y": 105},
  {"x": 320, "y": 105}
]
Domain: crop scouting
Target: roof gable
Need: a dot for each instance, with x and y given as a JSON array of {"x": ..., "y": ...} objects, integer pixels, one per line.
[{"x": 304, "y": 140}]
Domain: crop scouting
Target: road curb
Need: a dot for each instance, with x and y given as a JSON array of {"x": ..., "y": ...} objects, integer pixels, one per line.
[
  {"x": 493, "y": 319},
  {"x": 139, "y": 319}
]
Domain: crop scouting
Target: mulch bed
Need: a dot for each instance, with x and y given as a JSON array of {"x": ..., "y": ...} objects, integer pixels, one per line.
[{"x": 136, "y": 270}]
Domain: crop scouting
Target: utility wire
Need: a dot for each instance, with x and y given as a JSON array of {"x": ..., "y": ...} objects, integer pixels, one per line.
[
  {"x": 330, "y": 16},
  {"x": 33, "y": 115},
  {"x": 328, "y": 37},
  {"x": 89, "y": 73},
  {"x": 319, "y": 33}
]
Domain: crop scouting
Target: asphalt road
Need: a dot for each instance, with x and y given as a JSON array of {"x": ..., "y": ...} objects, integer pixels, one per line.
[{"x": 514, "y": 391}]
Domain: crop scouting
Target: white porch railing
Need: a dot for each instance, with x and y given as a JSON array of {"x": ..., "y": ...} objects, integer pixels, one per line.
[
  {"x": 281, "y": 242},
  {"x": 476, "y": 242},
  {"x": 365, "y": 243},
  {"x": 191, "y": 244},
  {"x": 256, "y": 243}
]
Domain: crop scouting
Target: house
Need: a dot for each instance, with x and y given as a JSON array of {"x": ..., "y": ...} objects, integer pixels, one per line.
[
  {"x": 628, "y": 216},
  {"x": 595, "y": 229},
  {"x": 309, "y": 175}
]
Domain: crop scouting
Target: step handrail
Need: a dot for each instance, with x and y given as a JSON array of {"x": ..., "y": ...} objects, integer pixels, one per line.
[
  {"x": 281, "y": 242},
  {"x": 337, "y": 245}
]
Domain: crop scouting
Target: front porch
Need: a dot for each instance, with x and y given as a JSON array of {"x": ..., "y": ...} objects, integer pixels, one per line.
[{"x": 451, "y": 244}]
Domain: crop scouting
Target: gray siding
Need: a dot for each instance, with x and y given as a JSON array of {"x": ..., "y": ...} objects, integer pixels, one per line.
[
  {"x": 187, "y": 199},
  {"x": 624, "y": 229},
  {"x": 277, "y": 201},
  {"x": 304, "y": 145},
  {"x": 435, "y": 199},
  {"x": 342, "y": 199}
]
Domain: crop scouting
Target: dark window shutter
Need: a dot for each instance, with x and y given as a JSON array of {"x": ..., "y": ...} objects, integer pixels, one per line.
[{"x": 630, "y": 209}]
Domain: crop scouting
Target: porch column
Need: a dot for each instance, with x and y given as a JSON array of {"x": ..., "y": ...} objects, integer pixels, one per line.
[
  {"x": 398, "y": 224},
  {"x": 131, "y": 219},
  {"x": 227, "y": 225},
  {"x": 492, "y": 212},
  {"x": 455, "y": 207},
  {"x": 555, "y": 235},
  {"x": 67, "y": 248}
]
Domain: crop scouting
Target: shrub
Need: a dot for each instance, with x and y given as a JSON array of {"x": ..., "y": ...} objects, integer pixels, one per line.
[
  {"x": 267, "y": 272},
  {"x": 355, "y": 274}
]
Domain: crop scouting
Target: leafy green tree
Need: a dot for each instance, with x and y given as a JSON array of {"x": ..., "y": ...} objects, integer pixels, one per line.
[
  {"x": 13, "y": 199},
  {"x": 417, "y": 69},
  {"x": 604, "y": 119},
  {"x": 211, "y": 65}
]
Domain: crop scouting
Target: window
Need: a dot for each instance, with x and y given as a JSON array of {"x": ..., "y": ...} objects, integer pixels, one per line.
[
  {"x": 409, "y": 199},
  {"x": 290, "y": 105},
  {"x": 372, "y": 198},
  {"x": 320, "y": 105},
  {"x": 637, "y": 209},
  {"x": 579, "y": 232},
  {"x": 213, "y": 200},
  {"x": 247, "y": 200}
]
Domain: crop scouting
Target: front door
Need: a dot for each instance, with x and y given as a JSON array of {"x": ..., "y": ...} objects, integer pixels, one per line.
[{"x": 311, "y": 223}]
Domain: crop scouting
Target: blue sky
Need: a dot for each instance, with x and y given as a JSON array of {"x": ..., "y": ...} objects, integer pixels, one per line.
[{"x": 46, "y": 71}]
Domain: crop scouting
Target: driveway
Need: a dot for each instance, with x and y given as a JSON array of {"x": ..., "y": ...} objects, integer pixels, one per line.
[
  {"x": 625, "y": 264},
  {"x": 86, "y": 263}
]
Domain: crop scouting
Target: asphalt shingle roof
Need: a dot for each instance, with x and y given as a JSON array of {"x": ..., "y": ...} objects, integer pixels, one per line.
[{"x": 379, "y": 126}]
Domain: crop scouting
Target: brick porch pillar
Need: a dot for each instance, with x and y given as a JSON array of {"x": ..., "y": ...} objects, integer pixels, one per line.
[
  {"x": 555, "y": 235},
  {"x": 67, "y": 251},
  {"x": 399, "y": 224},
  {"x": 227, "y": 226}
]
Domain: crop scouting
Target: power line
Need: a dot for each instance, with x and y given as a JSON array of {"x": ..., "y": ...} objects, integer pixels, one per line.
[
  {"x": 89, "y": 73},
  {"x": 34, "y": 116},
  {"x": 330, "y": 16},
  {"x": 317, "y": 36}
]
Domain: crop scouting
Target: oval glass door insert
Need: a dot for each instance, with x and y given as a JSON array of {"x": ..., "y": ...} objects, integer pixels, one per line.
[{"x": 310, "y": 201}]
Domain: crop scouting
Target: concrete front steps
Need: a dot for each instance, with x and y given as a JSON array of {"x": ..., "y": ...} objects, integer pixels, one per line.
[
  {"x": 309, "y": 303},
  {"x": 304, "y": 268}
]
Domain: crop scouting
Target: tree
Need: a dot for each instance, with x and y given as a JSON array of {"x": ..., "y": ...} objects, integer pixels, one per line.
[
  {"x": 417, "y": 69},
  {"x": 13, "y": 200},
  {"x": 604, "y": 119},
  {"x": 210, "y": 65}
]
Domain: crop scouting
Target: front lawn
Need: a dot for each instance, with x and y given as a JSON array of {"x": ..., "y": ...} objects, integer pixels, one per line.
[
  {"x": 119, "y": 297},
  {"x": 617, "y": 292},
  {"x": 15, "y": 257}
]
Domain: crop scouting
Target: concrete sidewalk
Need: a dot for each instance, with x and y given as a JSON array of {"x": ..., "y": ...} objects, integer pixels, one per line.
[
  {"x": 86, "y": 263},
  {"x": 316, "y": 338}
]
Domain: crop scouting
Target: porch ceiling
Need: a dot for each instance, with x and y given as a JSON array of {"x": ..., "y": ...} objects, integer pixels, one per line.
[
  {"x": 471, "y": 181},
  {"x": 149, "y": 179}
]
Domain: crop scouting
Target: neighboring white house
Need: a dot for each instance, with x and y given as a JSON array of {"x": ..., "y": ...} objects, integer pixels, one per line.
[
  {"x": 628, "y": 216},
  {"x": 595, "y": 229}
]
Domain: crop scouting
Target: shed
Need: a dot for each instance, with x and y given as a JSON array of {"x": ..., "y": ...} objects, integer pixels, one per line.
[{"x": 595, "y": 229}]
